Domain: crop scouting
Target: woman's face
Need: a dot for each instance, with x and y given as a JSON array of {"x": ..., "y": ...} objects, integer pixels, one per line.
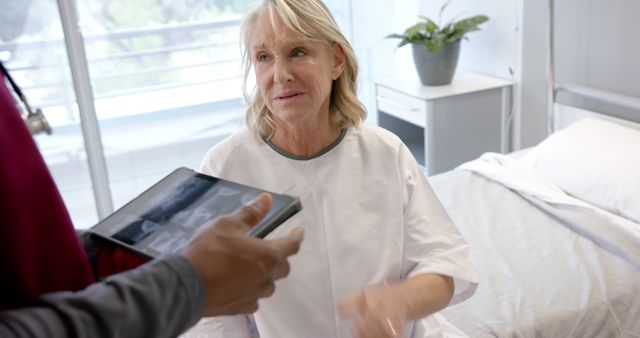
[{"x": 294, "y": 74}]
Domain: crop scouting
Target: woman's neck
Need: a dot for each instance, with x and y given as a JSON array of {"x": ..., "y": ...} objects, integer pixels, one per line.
[{"x": 305, "y": 141}]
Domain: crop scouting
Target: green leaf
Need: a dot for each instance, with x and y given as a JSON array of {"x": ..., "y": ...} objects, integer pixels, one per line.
[
  {"x": 470, "y": 24},
  {"x": 414, "y": 31},
  {"x": 431, "y": 26},
  {"x": 429, "y": 33},
  {"x": 395, "y": 36},
  {"x": 403, "y": 42},
  {"x": 434, "y": 46}
]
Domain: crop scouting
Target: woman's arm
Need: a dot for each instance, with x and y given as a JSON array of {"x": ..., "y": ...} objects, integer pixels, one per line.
[
  {"x": 422, "y": 295},
  {"x": 383, "y": 311},
  {"x": 433, "y": 252}
]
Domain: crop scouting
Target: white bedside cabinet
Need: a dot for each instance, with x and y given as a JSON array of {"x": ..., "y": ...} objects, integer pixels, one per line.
[{"x": 444, "y": 126}]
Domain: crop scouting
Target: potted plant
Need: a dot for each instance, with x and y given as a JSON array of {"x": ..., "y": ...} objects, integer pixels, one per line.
[{"x": 436, "y": 47}]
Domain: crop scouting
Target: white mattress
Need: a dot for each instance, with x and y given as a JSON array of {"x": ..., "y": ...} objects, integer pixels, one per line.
[{"x": 544, "y": 271}]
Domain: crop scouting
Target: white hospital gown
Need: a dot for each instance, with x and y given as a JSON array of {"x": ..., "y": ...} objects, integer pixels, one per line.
[{"x": 370, "y": 217}]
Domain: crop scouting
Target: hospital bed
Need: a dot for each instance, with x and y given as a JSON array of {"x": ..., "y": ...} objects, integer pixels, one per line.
[{"x": 555, "y": 229}]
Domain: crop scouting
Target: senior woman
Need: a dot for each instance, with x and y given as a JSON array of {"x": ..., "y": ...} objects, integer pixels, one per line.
[{"x": 381, "y": 256}]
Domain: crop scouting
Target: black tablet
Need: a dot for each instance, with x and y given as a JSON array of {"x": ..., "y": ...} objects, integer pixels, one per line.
[{"x": 165, "y": 217}]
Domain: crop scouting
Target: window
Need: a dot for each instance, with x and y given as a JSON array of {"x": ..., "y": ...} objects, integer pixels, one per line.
[
  {"x": 32, "y": 48},
  {"x": 166, "y": 83},
  {"x": 165, "y": 77}
]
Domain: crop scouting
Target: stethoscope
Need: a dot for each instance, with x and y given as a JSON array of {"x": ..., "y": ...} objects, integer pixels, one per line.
[{"x": 36, "y": 121}]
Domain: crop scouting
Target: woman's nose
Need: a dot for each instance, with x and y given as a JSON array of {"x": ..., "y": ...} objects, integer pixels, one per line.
[{"x": 282, "y": 72}]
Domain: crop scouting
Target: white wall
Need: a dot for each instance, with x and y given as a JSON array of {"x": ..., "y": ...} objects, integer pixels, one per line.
[
  {"x": 366, "y": 24},
  {"x": 598, "y": 44}
]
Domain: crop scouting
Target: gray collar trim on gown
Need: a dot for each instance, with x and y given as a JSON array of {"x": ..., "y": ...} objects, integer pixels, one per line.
[{"x": 306, "y": 158}]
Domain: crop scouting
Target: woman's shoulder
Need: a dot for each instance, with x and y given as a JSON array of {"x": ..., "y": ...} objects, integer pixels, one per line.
[
  {"x": 231, "y": 142},
  {"x": 222, "y": 150},
  {"x": 373, "y": 134},
  {"x": 375, "y": 139}
]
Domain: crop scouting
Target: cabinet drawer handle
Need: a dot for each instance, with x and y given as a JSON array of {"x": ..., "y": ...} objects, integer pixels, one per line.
[{"x": 399, "y": 105}]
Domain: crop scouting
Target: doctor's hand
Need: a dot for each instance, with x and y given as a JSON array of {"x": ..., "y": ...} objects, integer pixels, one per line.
[
  {"x": 376, "y": 313},
  {"x": 235, "y": 268}
]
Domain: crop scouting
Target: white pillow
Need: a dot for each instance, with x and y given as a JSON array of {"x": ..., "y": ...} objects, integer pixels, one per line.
[{"x": 596, "y": 161}]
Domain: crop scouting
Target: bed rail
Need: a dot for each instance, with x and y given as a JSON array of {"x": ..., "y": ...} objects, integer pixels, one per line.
[{"x": 601, "y": 101}]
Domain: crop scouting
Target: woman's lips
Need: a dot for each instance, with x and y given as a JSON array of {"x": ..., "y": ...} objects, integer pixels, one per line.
[{"x": 287, "y": 96}]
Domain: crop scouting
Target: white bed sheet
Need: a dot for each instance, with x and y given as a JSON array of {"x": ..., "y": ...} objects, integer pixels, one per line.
[
  {"x": 618, "y": 235},
  {"x": 547, "y": 268}
]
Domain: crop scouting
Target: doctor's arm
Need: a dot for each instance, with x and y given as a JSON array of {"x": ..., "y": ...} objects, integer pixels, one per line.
[
  {"x": 222, "y": 271},
  {"x": 161, "y": 299}
]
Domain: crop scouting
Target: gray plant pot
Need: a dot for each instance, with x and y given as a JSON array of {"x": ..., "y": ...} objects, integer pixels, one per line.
[{"x": 436, "y": 69}]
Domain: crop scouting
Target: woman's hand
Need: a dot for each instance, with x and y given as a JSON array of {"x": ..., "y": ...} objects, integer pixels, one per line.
[
  {"x": 377, "y": 313},
  {"x": 383, "y": 311}
]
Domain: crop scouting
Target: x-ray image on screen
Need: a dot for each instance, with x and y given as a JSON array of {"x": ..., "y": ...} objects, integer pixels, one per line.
[
  {"x": 166, "y": 216},
  {"x": 180, "y": 198}
]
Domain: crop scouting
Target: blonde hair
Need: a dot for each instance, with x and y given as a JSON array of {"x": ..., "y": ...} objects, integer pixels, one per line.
[{"x": 312, "y": 19}]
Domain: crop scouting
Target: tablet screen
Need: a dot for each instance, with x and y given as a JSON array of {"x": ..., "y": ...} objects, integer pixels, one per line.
[{"x": 165, "y": 217}]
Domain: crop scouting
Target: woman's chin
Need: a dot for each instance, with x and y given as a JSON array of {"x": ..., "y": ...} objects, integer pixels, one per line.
[{"x": 294, "y": 117}]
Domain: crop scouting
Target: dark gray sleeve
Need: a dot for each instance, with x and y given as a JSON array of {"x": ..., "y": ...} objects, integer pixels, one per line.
[{"x": 159, "y": 299}]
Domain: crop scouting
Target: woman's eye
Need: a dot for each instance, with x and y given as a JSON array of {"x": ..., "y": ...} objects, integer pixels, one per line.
[
  {"x": 262, "y": 57},
  {"x": 298, "y": 53}
]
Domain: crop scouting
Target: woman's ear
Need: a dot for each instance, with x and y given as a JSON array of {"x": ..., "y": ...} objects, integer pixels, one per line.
[{"x": 338, "y": 61}]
